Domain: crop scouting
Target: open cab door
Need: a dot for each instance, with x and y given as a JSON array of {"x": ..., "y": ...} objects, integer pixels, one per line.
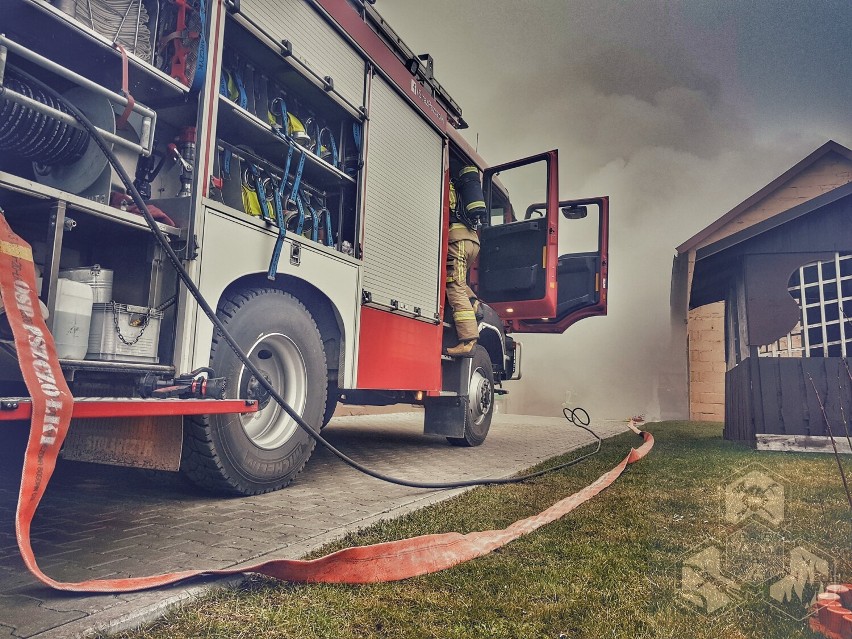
[{"x": 523, "y": 272}]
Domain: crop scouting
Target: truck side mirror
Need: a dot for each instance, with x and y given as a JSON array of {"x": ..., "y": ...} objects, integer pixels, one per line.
[{"x": 574, "y": 212}]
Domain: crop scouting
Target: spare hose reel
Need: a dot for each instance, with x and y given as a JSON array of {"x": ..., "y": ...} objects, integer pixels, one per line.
[{"x": 37, "y": 127}]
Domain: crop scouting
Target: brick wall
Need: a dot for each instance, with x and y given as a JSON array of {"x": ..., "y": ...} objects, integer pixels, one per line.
[{"x": 706, "y": 330}]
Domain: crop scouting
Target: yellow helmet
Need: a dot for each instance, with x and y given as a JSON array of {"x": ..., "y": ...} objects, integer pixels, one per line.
[{"x": 297, "y": 130}]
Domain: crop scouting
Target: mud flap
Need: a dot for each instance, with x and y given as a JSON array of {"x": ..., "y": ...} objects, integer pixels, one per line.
[
  {"x": 445, "y": 416},
  {"x": 152, "y": 442},
  {"x": 448, "y": 415}
]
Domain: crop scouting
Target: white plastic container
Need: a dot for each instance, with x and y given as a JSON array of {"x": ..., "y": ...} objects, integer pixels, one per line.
[
  {"x": 100, "y": 279},
  {"x": 72, "y": 318}
]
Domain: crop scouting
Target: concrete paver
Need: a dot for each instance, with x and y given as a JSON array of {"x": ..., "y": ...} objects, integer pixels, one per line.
[{"x": 98, "y": 521}]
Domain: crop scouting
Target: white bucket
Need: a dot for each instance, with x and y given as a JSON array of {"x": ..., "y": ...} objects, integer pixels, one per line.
[
  {"x": 100, "y": 279},
  {"x": 72, "y": 318}
]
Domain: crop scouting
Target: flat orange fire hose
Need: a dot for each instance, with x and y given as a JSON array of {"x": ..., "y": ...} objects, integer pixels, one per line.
[{"x": 51, "y": 414}]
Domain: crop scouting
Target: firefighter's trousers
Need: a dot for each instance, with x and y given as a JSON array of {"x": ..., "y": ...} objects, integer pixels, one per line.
[{"x": 463, "y": 249}]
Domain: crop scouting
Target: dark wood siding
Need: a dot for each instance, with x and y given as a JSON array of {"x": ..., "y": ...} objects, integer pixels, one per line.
[
  {"x": 739, "y": 425},
  {"x": 778, "y": 396}
]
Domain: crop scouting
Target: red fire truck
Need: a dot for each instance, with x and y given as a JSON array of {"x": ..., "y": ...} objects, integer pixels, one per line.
[{"x": 298, "y": 156}]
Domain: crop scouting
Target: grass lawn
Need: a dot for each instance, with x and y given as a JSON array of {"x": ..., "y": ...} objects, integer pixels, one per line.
[{"x": 611, "y": 568}]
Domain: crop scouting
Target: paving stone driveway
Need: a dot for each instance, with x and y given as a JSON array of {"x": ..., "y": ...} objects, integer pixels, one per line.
[{"x": 98, "y": 521}]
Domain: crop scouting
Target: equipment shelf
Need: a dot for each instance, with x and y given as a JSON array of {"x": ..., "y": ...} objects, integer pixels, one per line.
[
  {"x": 238, "y": 126},
  {"x": 81, "y": 204},
  {"x": 258, "y": 224}
]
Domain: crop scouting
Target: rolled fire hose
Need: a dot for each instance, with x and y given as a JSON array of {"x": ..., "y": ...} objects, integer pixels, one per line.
[{"x": 52, "y": 404}]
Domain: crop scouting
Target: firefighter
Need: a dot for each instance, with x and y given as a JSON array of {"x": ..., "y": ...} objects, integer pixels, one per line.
[{"x": 465, "y": 218}]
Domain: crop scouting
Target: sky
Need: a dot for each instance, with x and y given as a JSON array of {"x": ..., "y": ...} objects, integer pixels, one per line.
[{"x": 676, "y": 110}]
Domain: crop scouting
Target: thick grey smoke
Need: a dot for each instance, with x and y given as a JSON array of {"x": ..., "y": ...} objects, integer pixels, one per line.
[{"x": 646, "y": 103}]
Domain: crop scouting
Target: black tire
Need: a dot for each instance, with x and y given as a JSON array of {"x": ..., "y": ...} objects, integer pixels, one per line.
[
  {"x": 480, "y": 401},
  {"x": 260, "y": 452},
  {"x": 331, "y": 400}
]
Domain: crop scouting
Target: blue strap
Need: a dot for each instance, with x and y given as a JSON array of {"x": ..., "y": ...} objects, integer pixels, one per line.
[
  {"x": 282, "y": 187},
  {"x": 279, "y": 195},
  {"x": 201, "y": 54},
  {"x": 281, "y": 130},
  {"x": 297, "y": 196},
  {"x": 281, "y": 201},
  {"x": 226, "y": 162},
  {"x": 300, "y": 221},
  {"x": 356, "y": 134},
  {"x": 318, "y": 132},
  {"x": 261, "y": 193},
  {"x": 334, "y": 157},
  {"x": 315, "y": 219},
  {"x": 329, "y": 240}
]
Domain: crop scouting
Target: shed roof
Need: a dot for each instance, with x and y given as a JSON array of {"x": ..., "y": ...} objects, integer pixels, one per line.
[
  {"x": 829, "y": 147},
  {"x": 782, "y": 218}
]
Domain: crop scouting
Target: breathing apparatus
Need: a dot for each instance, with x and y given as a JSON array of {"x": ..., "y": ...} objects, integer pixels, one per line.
[
  {"x": 467, "y": 188},
  {"x": 296, "y": 130}
]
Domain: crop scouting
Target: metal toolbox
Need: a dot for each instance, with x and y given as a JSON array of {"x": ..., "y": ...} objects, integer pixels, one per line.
[{"x": 122, "y": 332}]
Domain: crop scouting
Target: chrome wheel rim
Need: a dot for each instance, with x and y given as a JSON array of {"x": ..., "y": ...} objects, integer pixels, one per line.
[
  {"x": 283, "y": 366},
  {"x": 480, "y": 396}
]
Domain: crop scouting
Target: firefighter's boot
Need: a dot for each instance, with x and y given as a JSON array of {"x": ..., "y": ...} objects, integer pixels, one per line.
[{"x": 462, "y": 349}]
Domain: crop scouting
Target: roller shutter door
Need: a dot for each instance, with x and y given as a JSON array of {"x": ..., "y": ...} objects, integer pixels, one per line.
[
  {"x": 402, "y": 225},
  {"x": 314, "y": 41}
]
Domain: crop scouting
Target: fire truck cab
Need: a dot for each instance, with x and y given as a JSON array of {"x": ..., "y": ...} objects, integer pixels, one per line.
[{"x": 298, "y": 156}]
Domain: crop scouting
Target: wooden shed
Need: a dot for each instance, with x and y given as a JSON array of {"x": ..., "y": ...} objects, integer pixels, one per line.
[{"x": 776, "y": 272}]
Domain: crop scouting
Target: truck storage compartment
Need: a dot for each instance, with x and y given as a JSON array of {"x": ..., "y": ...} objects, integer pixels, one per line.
[
  {"x": 286, "y": 142},
  {"x": 141, "y": 124},
  {"x": 58, "y": 190}
]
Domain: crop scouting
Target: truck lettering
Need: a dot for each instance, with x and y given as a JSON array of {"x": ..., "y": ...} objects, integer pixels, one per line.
[{"x": 417, "y": 90}]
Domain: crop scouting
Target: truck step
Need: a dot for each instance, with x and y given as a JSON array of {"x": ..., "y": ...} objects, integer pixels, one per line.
[{"x": 18, "y": 408}]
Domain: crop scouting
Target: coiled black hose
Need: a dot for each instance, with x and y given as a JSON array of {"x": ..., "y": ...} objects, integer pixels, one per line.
[{"x": 36, "y": 136}]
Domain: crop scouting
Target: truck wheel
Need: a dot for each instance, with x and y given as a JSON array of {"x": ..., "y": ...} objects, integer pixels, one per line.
[
  {"x": 263, "y": 451},
  {"x": 480, "y": 401},
  {"x": 330, "y": 403}
]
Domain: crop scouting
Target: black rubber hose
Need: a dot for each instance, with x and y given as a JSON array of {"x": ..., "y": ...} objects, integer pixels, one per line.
[{"x": 217, "y": 323}]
